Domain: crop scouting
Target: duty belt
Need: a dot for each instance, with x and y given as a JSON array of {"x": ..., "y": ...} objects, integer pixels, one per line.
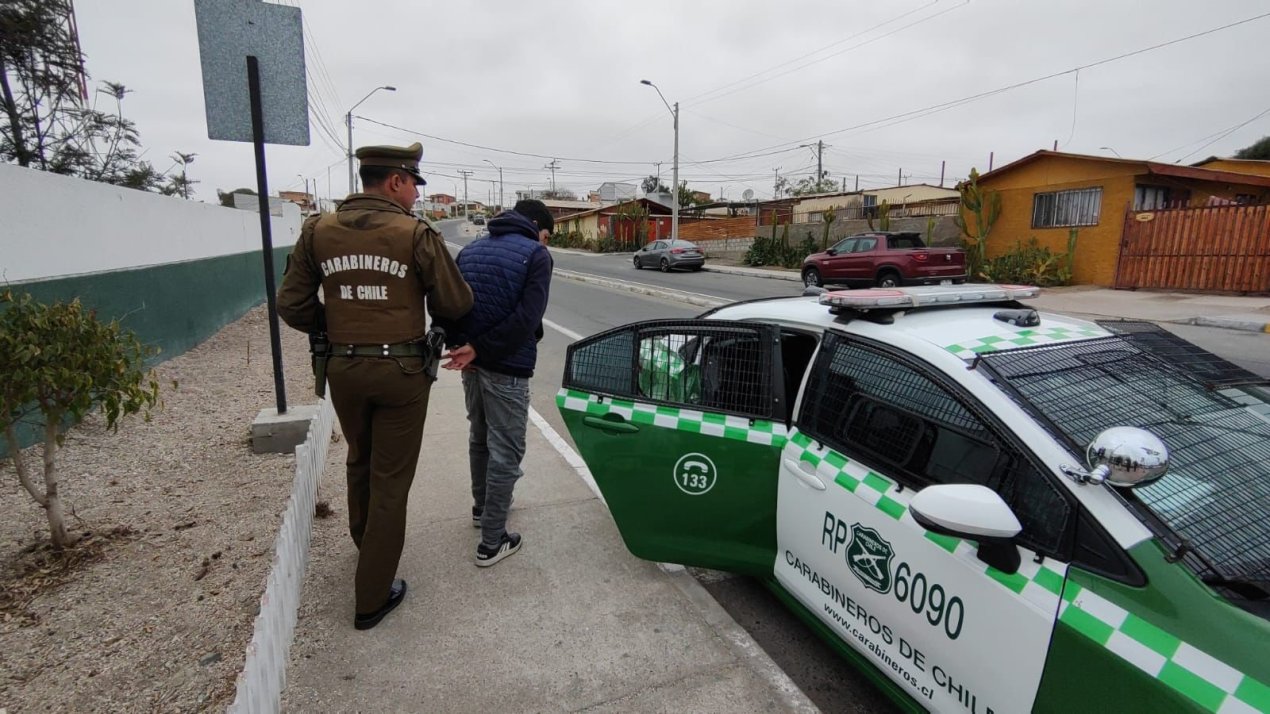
[{"x": 403, "y": 349}]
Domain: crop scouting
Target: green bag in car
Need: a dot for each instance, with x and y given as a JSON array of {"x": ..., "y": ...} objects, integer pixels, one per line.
[{"x": 664, "y": 375}]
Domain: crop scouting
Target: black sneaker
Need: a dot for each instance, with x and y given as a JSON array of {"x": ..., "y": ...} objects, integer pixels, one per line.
[
  {"x": 509, "y": 545},
  {"x": 396, "y": 593}
]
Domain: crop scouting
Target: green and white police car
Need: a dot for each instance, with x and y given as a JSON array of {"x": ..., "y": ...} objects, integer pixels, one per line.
[{"x": 987, "y": 508}]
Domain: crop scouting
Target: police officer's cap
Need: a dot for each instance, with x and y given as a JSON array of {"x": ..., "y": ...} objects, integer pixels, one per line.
[{"x": 405, "y": 158}]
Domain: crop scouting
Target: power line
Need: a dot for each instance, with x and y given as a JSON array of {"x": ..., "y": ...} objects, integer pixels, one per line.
[
  {"x": 702, "y": 97},
  {"x": 1223, "y": 135},
  {"x": 944, "y": 106}
]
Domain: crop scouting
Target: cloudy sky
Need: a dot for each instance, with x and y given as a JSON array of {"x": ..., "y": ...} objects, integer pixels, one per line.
[{"x": 881, "y": 83}]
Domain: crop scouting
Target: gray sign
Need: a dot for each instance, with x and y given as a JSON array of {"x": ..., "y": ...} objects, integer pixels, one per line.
[{"x": 229, "y": 31}]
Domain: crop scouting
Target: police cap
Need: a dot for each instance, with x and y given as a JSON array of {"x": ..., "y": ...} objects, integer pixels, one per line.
[{"x": 405, "y": 158}]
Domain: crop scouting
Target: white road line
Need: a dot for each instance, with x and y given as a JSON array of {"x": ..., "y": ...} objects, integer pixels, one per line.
[
  {"x": 570, "y": 456},
  {"x": 562, "y": 329}
]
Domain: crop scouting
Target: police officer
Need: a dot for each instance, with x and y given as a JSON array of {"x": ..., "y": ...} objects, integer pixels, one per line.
[{"x": 379, "y": 267}]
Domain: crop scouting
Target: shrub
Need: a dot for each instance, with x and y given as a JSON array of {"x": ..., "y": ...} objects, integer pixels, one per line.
[{"x": 60, "y": 361}]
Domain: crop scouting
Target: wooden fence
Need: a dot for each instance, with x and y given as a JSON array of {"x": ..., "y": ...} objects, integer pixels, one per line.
[{"x": 1217, "y": 248}]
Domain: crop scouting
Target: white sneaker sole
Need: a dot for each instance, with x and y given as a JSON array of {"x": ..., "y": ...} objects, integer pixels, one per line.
[{"x": 504, "y": 552}]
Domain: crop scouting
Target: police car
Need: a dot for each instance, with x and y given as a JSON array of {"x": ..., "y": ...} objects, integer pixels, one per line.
[{"x": 987, "y": 508}]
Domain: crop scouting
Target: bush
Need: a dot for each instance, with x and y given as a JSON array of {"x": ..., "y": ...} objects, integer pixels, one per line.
[
  {"x": 778, "y": 251},
  {"x": 60, "y": 361},
  {"x": 1032, "y": 264}
]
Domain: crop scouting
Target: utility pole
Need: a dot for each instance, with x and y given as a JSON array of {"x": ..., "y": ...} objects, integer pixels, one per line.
[
  {"x": 820, "y": 156},
  {"x": 776, "y": 184},
  {"x": 500, "y": 182},
  {"x": 899, "y": 177},
  {"x": 553, "y": 166},
  {"x": 465, "y": 175}
]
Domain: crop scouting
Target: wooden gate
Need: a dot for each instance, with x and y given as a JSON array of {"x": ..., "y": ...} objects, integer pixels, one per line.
[{"x": 1216, "y": 248}]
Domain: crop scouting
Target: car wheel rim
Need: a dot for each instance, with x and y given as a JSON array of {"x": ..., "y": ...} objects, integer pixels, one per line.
[
  {"x": 888, "y": 282},
  {"x": 665, "y": 267},
  {"x": 811, "y": 279}
]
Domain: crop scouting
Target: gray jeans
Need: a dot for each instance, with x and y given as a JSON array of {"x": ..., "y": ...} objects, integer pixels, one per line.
[{"x": 498, "y": 411}]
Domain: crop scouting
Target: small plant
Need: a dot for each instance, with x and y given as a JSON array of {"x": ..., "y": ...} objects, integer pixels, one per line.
[{"x": 60, "y": 361}]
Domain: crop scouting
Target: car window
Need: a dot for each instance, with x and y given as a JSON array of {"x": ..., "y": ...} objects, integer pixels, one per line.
[
  {"x": 869, "y": 405},
  {"x": 651, "y": 245},
  {"x": 844, "y": 245},
  {"x": 865, "y": 245},
  {"x": 659, "y": 245},
  {"x": 722, "y": 368},
  {"x": 904, "y": 242}
]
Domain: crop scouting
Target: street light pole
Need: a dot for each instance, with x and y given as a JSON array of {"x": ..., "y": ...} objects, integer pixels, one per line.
[
  {"x": 674, "y": 194},
  {"x": 348, "y": 119},
  {"x": 500, "y": 182}
]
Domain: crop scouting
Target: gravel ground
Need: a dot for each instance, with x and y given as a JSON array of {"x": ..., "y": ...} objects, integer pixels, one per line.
[{"x": 157, "y": 609}]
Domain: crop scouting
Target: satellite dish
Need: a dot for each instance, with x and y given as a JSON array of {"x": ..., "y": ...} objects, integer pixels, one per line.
[{"x": 748, "y": 194}]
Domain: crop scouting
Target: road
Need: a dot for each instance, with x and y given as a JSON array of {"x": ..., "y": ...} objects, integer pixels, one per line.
[{"x": 578, "y": 309}]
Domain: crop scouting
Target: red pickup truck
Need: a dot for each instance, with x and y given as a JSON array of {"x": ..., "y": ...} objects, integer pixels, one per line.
[{"x": 884, "y": 259}]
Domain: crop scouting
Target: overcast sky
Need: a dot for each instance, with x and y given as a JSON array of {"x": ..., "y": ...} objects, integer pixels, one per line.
[{"x": 561, "y": 79}]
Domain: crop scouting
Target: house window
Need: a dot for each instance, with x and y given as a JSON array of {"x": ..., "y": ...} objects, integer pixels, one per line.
[
  {"x": 1067, "y": 208},
  {"x": 1150, "y": 198},
  {"x": 1245, "y": 199}
]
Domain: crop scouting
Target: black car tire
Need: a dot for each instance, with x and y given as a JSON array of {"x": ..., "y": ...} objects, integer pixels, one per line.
[
  {"x": 811, "y": 278},
  {"x": 665, "y": 265},
  {"x": 638, "y": 265},
  {"x": 888, "y": 279}
]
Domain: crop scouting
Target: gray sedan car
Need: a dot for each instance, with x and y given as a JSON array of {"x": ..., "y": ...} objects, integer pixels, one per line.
[{"x": 661, "y": 254}]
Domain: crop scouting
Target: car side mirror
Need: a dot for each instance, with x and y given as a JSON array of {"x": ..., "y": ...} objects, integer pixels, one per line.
[
  {"x": 832, "y": 251},
  {"x": 1123, "y": 456},
  {"x": 975, "y": 513}
]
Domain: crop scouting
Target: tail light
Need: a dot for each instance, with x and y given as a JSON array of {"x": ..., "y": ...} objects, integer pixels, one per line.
[
  {"x": 676, "y": 251},
  {"x": 921, "y": 257}
]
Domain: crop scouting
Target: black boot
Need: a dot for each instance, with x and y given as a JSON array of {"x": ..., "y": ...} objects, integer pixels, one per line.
[{"x": 396, "y": 594}]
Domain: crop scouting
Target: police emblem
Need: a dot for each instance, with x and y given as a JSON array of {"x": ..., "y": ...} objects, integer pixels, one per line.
[{"x": 869, "y": 557}]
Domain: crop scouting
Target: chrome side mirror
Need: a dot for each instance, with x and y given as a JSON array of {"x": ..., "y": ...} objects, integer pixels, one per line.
[{"x": 1124, "y": 456}]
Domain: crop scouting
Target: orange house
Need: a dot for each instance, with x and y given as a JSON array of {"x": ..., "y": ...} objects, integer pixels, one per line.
[
  {"x": 1239, "y": 166},
  {"x": 1049, "y": 193}
]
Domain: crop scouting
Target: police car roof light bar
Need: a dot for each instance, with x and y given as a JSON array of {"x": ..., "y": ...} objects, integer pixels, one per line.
[{"x": 907, "y": 298}]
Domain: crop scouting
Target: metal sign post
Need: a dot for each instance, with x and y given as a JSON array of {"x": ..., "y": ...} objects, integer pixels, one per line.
[{"x": 266, "y": 228}]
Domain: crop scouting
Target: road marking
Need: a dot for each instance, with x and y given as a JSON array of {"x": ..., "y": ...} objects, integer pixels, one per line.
[{"x": 562, "y": 330}]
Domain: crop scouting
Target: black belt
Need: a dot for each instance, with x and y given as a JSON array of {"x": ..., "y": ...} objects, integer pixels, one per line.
[{"x": 403, "y": 349}]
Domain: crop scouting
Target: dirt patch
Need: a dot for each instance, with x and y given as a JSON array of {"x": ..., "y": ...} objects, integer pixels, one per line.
[{"x": 153, "y": 610}]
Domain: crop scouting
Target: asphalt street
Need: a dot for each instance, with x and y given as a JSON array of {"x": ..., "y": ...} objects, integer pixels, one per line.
[{"x": 578, "y": 310}]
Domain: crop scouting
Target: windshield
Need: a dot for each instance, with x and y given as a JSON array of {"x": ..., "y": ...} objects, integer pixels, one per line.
[{"x": 1215, "y": 492}]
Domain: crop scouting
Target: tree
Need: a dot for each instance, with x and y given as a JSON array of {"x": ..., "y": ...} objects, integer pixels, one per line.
[
  {"x": 652, "y": 184},
  {"x": 60, "y": 361},
  {"x": 227, "y": 197},
  {"x": 559, "y": 194},
  {"x": 686, "y": 196},
  {"x": 47, "y": 122},
  {"x": 1258, "y": 151},
  {"x": 180, "y": 184},
  {"x": 810, "y": 185}
]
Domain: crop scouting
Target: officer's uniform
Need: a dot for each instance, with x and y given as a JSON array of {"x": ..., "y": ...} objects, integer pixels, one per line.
[{"x": 376, "y": 263}]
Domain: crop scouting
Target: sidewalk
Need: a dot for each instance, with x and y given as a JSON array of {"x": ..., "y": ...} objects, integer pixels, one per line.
[
  {"x": 1249, "y": 314},
  {"x": 571, "y": 622}
]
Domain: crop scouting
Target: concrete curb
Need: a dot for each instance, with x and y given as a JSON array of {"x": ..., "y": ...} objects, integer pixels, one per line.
[
  {"x": 1230, "y": 323},
  {"x": 755, "y": 273},
  {"x": 643, "y": 289}
]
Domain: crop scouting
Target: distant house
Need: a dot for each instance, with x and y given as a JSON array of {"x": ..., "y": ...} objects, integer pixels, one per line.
[
  {"x": 1049, "y": 193},
  {"x": 559, "y": 209},
  {"x": 612, "y": 192},
  {"x": 302, "y": 199},
  {"x": 612, "y": 221},
  {"x": 902, "y": 200}
]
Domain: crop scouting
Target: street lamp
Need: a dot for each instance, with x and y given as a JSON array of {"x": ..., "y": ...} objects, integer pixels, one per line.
[
  {"x": 348, "y": 118},
  {"x": 500, "y": 182},
  {"x": 674, "y": 196},
  {"x": 1108, "y": 148}
]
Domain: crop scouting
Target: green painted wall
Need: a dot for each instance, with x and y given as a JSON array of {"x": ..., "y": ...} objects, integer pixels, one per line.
[{"x": 174, "y": 306}]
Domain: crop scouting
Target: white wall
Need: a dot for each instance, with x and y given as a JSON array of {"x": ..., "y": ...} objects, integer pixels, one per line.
[{"x": 55, "y": 226}]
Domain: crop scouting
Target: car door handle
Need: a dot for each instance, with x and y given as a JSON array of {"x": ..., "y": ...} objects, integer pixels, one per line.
[
  {"x": 616, "y": 427},
  {"x": 806, "y": 473}
]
